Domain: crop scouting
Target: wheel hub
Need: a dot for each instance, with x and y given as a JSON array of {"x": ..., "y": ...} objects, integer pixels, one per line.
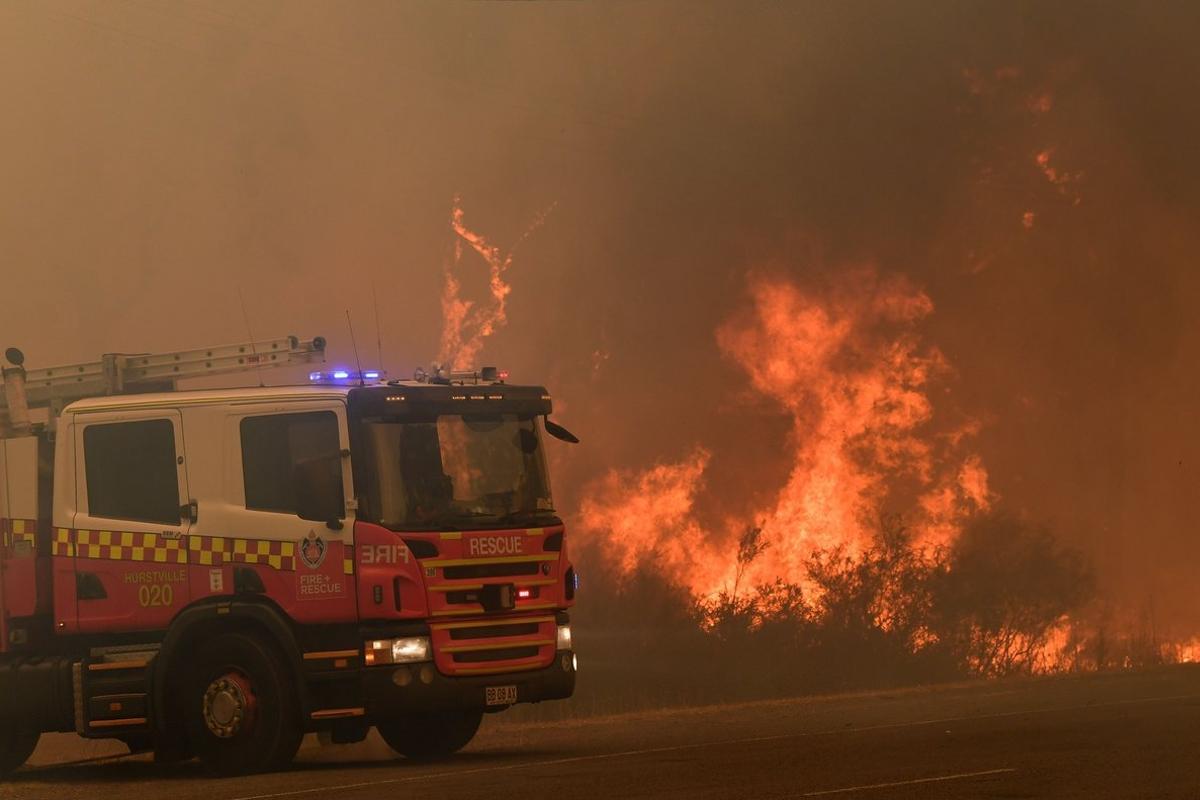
[{"x": 229, "y": 706}]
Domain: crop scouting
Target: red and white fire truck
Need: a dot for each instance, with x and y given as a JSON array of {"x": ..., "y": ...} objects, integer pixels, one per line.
[{"x": 217, "y": 572}]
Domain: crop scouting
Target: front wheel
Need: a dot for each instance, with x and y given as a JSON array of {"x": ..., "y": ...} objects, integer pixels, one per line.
[
  {"x": 432, "y": 735},
  {"x": 15, "y": 749},
  {"x": 241, "y": 706}
]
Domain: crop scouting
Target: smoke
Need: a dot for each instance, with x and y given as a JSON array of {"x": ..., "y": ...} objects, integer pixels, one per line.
[{"x": 1026, "y": 172}]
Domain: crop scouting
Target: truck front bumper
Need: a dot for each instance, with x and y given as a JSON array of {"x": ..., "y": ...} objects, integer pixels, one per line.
[{"x": 393, "y": 690}]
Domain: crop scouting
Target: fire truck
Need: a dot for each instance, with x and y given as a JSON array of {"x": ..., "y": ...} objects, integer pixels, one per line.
[{"x": 215, "y": 573}]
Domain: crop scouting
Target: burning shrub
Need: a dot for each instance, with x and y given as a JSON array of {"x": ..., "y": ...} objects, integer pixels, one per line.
[
  {"x": 871, "y": 622},
  {"x": 1005, "y": 589},
  {"x": 997, "y": 602},
  {"x": 731, "y": 615}
]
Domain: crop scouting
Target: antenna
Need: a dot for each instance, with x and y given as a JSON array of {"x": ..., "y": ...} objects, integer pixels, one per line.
[
  {"x": 378, "y": 331},
  {"x": 361, "y": 381},
  {"x": 250, "y": 336}
]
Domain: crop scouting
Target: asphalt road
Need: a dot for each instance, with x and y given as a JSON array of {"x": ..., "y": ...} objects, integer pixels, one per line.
[{"x": 1131, "y": 735}]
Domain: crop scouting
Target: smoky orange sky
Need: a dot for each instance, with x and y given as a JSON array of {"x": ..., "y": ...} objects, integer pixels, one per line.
[{"x": 1033, "y": 170}]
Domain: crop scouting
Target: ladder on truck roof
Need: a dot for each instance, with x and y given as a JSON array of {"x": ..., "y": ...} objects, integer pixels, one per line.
[{"x": 122, "y": 373}]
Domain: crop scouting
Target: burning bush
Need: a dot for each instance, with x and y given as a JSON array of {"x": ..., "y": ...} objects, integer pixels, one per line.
[
  {"x": 872, "y": 620},
  {"x": 1005, "y": 589},
  {"x": 893, "y": 613}
]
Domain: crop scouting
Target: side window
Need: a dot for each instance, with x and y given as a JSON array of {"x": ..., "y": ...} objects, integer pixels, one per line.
[
  {"x": 131, "y": 471},
  {"x": 292, "y": 463}
]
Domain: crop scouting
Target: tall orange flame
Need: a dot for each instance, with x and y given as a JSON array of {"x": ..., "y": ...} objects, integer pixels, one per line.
[
  {"x": 848, "y": 366},
  {"x": 466, "y": 324}
]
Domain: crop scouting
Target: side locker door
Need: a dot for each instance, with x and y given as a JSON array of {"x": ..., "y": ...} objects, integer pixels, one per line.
[{"x": 132, "y": 520}]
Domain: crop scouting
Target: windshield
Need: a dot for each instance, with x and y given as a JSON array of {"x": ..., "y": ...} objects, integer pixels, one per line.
[{"x": 456, "y": 471}]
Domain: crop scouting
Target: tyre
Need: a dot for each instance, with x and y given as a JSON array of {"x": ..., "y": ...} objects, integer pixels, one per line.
[
  {"x": 430, "y": 736},
  {"x": 15, "y": 749},
  {"x": 241, "y": 706}
]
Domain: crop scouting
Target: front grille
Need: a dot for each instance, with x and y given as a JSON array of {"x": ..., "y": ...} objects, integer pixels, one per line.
[
  {"x": 505, "y": 654},
  {"x": 490, "y": 570},
  {"x": 488, "y": 631}
]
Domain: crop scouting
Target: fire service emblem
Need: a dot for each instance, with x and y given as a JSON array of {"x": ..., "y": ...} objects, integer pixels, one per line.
[{"x": 312, "y": 551}]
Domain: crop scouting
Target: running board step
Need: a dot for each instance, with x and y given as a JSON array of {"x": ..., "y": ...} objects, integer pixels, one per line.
[{"x": 112, "y": 693}]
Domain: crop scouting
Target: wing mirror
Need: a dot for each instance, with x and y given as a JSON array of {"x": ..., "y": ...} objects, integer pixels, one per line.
[{"x": 559, "y": 432}]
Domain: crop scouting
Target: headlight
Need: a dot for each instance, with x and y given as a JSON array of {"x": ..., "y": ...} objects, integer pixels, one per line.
[
  {"x": 408, "y": 650},
  {"x": 564, "y": 637}
]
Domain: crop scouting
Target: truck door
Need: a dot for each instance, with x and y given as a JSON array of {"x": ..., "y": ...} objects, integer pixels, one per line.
[
  {"x": 132, "y": 519},
  {"x": 289, "y": 479}
]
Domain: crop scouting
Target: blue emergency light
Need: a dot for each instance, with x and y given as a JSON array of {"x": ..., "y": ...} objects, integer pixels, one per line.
[{"x": 347, "y": 376}]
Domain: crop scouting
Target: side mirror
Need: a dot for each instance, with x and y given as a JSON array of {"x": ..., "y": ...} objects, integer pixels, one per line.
[{"x": 559, "y": 432}]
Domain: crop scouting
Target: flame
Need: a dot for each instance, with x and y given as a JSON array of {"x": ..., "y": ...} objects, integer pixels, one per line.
[
  {"x": 848, "y": 367},
  {"x": 648, "y": 517},
  {"x": 1188, "y": 652},
  {"x": 1057, "y": 652},
  {"x": 467, "y": 324}
]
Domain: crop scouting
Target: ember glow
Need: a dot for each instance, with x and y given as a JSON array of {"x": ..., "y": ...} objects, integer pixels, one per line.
[
  {"x": 848, "y": 367},
  {"x": 1061, "y": 179}
]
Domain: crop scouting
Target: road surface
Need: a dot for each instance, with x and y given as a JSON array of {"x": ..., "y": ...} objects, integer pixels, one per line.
[{"x": 1098, "y": 736}]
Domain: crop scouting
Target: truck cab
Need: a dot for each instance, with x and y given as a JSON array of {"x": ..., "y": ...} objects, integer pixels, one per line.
[{"x": 218, "y": 572}]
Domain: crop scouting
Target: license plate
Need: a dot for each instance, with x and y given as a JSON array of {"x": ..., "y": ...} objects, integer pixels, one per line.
[{"x": 501, "y": 695}]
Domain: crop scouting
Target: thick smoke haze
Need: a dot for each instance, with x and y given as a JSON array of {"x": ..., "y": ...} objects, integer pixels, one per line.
[{"x": 1034, "y": 170}]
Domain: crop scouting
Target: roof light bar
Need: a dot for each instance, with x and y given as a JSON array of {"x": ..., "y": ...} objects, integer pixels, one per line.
[
  {"x": 347, "y": 376},
  {"x": 442, "y": 375}
]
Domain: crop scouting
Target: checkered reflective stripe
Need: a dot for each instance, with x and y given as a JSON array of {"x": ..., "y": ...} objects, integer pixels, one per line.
[
  {"x": 348, "y": 560},
  {"x": 126, "y": 546},
  {"x": 215, "y": 551},
  {"x": 62, "y": 546},
  {"x": 157, "y": 549},
  {"x": 18, "y": 531}
]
